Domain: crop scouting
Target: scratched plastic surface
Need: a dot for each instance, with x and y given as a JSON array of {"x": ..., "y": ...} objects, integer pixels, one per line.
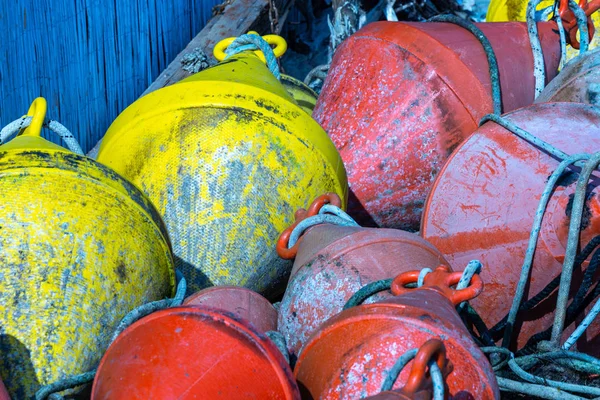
[
  {"x": 400, "y": 97},
  {"x": 226, "y": 156},
  {"x": 334, "y": 262},
  {"x": 350, "y": 354},
  {"x": 483, "y": 204},
  {"x": 193, "y": 353}
]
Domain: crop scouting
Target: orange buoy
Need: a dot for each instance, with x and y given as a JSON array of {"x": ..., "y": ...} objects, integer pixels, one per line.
[
  {"x": 193, "y": 352},
  {"x": 239, "y": 301},
  {"x": 351, "y": 354},
  {"x": 333, "y": 262}
]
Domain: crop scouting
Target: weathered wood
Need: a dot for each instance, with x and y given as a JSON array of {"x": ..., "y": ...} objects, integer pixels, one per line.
[{"x": 236, "y": 19}]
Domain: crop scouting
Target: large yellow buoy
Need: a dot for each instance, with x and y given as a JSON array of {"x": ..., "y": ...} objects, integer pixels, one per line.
[
  {"x": 227, "y": 156},
  {"x": 79, "y": 248}
]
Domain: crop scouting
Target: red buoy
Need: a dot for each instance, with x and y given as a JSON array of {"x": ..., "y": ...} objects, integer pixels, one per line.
[
  {"x": 483, "y": 203},
  {"x": 334, "y": 262},
  {"x": 350, "y": 355},
  {"x": 193, "y": 352},
  {"x": 400, "y": 96},
  {"x": 241, "y": 302}
]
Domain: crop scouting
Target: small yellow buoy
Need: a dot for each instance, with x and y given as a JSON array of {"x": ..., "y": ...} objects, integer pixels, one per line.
[
  {"x": 79, "y": 248},
  {"x": 227, "y": 156},
  {"x": 300, "y": 92}
]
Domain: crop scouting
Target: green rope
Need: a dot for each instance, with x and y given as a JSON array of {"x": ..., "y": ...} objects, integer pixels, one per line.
[
  {"x": 367, "y": 291},
  {"x": 489, "y": 53}
]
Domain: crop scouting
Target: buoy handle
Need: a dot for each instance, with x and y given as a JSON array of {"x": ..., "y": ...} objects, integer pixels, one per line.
[
  {"x": 277, "y": 42},
  {"x": 440, "y": 280},
  {"x": 570, "y": 22},
  {"x": 283, "y": 241},
  {"x": 433, "y": 349},
  {"x": 37, "y": 112}
]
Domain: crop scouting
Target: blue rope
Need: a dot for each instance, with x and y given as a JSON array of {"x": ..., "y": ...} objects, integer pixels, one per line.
[
  {"x": 539, "y": 69},
  {"x": 489, "y": 53},
  {"x": 328, "y": 214},
  {"x": 251, "y": 42},
  {"x": 584, "y": 39},
  {"x": 434, "y": 370},
  {"x": 472, "y": 268}
]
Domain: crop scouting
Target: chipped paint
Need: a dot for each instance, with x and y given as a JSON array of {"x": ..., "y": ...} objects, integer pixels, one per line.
[
  {"x": 399, "y": 97},
  {"x": 194, "y": 352},
  {"x": 484, "y": 201},
  {"x": 333, "y": 263},
  {"x": 362, "y": 344},
  {"x": 226, "y": 162},
  {"x": 80, "y": 247}
]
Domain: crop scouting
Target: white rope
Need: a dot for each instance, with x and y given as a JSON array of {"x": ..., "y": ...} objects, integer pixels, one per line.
[{"x": 14, "y": 127}]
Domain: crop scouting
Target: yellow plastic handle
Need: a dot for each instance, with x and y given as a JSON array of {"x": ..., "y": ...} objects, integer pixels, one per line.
[
  {"x": 37, "y": 111},
  {"x": 277, "y": 42}
]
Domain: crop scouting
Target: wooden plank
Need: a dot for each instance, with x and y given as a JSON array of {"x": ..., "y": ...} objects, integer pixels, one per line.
[{"x": 237, "y": 18}]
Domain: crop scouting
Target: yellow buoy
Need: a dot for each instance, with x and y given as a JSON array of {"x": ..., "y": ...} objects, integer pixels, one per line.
[
  {"x": 304, "y": 96},
  {"x": 79, "y": 248},
  {"x": 516, "y": 10},
  {"x": 227, "y": 156}
]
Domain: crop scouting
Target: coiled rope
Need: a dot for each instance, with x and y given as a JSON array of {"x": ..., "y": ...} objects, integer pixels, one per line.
[
  {"x": 17, "y": 125},
  {"x": 52, "y": 390}
]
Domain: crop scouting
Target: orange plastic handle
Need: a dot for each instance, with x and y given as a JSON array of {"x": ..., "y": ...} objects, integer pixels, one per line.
[
  {"x": 430, "y": 350},
  {"x": 284, "y": 239},
  {"x": 570, "y": 22},
  {"x": 442, "y": 281}
]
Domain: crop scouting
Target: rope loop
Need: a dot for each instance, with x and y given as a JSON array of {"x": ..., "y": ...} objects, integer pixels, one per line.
[
  {"x": 250, "y": 42},
  {"x": 17, "y": 125},
  {"x": 328, "y": 214},
  {"x": 431, "y": 355}
]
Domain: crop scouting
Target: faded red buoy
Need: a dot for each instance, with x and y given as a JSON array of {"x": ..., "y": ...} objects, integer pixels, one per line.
[
  {"x": 400, "y": 96},
  {"x": 334, "y": 262},
  {"x": 193, "y": 352},
  {"x": 578, "y": 82},
  {"x": 240, "y": 301},
  {"x": 352, "y": 353},
  {"x": 3, "y": 392},
  {"x": 484, "y": 200}
]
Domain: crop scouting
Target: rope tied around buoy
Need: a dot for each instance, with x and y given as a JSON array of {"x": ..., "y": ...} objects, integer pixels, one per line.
[
  {"x": 17, "y": 125},
  {"x": 250, "y": 42},
  {"x": 430, "y": 354},
  {"x": 489, "y": 53},
  {"x": 328, "y": 214},
  {"x": 372, "y": 288},
  {"x": 546, "y": 345},
  {"x": 53, "y": 390}
]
